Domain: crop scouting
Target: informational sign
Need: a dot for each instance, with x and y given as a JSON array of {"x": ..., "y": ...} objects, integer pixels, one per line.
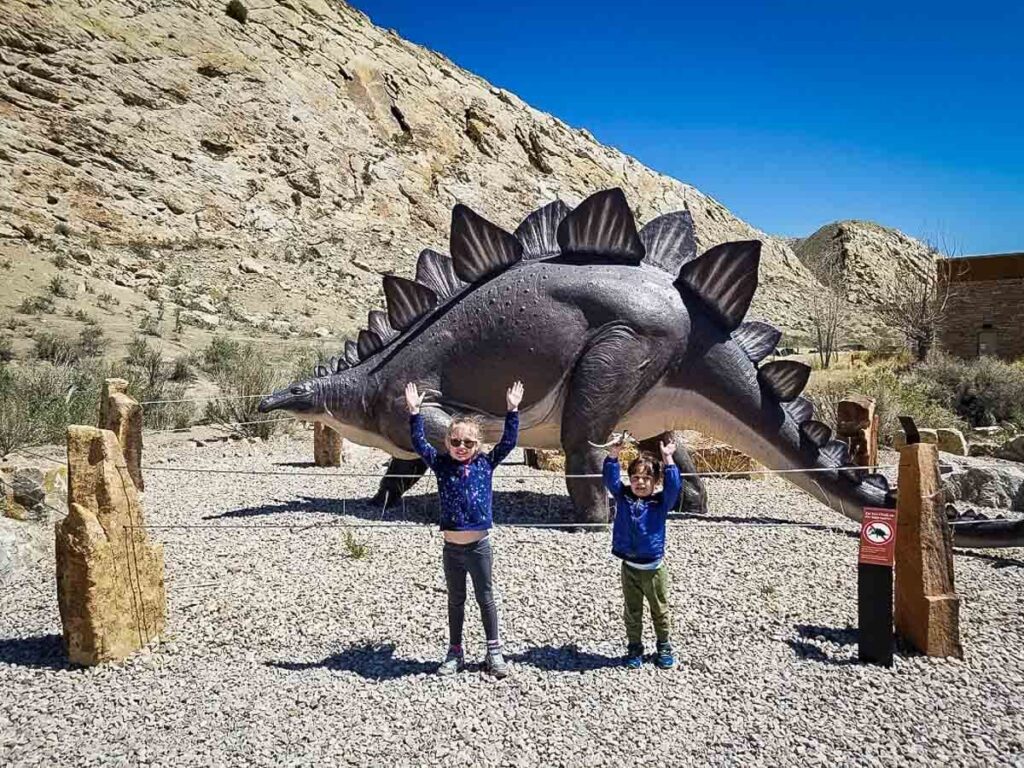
[{"x": 878, "y": 537}]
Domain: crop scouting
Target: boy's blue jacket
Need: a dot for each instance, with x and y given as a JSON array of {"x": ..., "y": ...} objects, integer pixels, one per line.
[
  {"x": 638, "y": 534},
  {"x": 465, "y": 489}
]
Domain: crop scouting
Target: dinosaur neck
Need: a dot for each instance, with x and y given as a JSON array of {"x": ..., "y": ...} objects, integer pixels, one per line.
[{"x": 347, "y": 400}]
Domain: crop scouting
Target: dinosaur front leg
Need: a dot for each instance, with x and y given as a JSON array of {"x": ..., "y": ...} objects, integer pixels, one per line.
[
  {"x": 694, "y": 498},
  {"x": 392, "y": 488},
  {"x": 605, "y": 384}
]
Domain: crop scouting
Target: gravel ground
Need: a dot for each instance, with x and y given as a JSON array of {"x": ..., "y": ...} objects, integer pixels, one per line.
[{"x": 282, "y": 649}]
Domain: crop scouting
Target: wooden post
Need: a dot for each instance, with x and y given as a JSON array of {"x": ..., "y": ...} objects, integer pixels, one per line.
[
  {"x": 927, "y": 608},
  {"x": 857, "y": 425},
  {"x": 122, "y": 415},
  {"x": 874, "y": 586},
  {"x": 327, "y": 446},
  {"x": 110, "y": 577}
]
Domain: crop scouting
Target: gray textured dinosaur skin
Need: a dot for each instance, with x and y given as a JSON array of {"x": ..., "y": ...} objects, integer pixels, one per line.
[{"x": 608, "y": 329}]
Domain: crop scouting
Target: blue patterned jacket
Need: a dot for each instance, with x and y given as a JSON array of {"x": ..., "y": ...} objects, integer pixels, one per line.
[{"x": 465, "y": 489}]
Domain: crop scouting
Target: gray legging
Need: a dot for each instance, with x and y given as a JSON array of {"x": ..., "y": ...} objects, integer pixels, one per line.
[{"x": 474, "y": 559}]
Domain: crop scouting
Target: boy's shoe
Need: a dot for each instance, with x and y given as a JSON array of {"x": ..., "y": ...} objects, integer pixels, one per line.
[
  {"x": 634, "y": 656},
  {"x": 665, "y": 658},
  {"x": 454, "y": 662},
  {"x": 495, "y": 664}
]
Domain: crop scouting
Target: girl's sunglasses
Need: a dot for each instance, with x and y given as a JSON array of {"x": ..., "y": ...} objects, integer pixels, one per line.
[
  {"x": 638, "y": 478},
  {"x": 455, "y": 442}
]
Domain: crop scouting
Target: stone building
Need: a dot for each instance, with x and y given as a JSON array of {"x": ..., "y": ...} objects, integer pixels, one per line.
[{"x": 985, "y": 310}]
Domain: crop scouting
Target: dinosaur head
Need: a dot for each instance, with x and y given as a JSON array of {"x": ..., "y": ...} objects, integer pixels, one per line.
[{"x": 302, "y": 399}]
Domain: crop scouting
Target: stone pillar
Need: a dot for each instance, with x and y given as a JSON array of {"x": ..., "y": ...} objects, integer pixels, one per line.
[
  {"x": 123, "y": 416},
  {"x": 927, "y": 608},
  {"x": 857, "y": 425},
  {"x": 328, "y": 449},
  {"x": 110, "y": 578}
]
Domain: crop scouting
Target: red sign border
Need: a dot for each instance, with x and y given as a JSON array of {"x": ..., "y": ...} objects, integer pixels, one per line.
[{"x": 877, "y": 554}]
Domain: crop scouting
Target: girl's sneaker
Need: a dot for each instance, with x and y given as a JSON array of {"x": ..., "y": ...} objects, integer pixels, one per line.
[
  {"x": 634, "y": 656},
  {"x": 495, "y": 664},
  {"x": 665, "y": 659},
  {"x": 454, "y": 662}
]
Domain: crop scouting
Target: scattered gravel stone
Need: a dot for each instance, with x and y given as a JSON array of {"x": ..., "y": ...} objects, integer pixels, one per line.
[{"x": 283, "y": 649}]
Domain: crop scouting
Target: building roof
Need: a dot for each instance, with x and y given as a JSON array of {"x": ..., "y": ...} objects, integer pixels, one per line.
[{"x": 994, "y": 266}]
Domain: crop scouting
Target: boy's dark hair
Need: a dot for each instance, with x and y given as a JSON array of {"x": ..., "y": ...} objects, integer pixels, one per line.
[{"x": 646, "y": 461}]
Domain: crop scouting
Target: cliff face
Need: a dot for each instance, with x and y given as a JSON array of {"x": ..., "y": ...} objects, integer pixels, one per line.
[
  {"x": 263, "y": 166},
  {"x": 866, "y": 256}
]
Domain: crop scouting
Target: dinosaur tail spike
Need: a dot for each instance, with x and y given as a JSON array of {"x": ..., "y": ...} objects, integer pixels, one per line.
[
  {"x": 757, "y": 339},
  {"x": 785, "y": 379}
]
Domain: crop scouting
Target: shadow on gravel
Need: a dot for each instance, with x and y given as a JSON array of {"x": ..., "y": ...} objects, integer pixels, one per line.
[
  {"x": 509, "y": 507},
  {"x": 566, "y": 658},
  {"x": 42, "y": 651},
  {"x": 739, "y": 520},
  {"x": 374, "y": 662},
  {"x": 996, "y": 560},
  {"x": 809, "y": 647}
]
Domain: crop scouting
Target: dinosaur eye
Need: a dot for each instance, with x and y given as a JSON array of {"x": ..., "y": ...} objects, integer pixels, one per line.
[{"x": 298, "y": 390}]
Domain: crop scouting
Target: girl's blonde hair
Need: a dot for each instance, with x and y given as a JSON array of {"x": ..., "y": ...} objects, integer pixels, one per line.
[{"x": 472, "y": 422}]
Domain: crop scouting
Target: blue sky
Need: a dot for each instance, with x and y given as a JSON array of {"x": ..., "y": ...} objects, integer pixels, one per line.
[{"x": 791, "y": 114}]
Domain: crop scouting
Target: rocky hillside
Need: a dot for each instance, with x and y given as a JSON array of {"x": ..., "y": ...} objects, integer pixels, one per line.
[
  {"x": 865, "y": 255},
  {"x": 261, "y": 166}
]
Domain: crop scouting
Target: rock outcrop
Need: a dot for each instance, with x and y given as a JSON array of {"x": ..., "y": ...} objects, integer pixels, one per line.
[
  {"x": 281, "y": 162},
  {"x": 110, "y": 577},
  {"x": 866, "y": 258}
]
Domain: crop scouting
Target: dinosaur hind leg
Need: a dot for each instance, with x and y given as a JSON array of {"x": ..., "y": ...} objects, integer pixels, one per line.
[
  {"x": 606, "y": 382},
  {"x": 694, "y": 498}
]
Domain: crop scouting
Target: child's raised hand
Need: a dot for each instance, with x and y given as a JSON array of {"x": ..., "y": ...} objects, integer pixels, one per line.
[
  {"x": 614, "y": 449},
  {"x": 413, "y": 399},
  {"x": 668, "y": 452},
  {"x": 514, "y": 396}
]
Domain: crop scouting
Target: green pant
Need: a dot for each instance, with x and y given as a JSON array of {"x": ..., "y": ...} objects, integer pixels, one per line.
[{"x": 636, "y": 585}]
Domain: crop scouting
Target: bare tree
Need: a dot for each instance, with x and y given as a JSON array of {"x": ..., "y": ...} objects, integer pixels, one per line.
[
  {"x": 828, "y": 311},
  {"x": 915, "y": 304}
]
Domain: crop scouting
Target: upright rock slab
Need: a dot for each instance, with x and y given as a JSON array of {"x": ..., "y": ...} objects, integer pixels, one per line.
[
  {"x": 110, "y": 577},
  {"x": 122, "y": 415},
  {"x": 328, "y": 449},
  {"x": 857, "y": 425},
  {"x": 927, "y": 608}
]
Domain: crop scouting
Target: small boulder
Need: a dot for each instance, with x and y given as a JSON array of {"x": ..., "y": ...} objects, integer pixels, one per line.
[
  {"x": 251, "y": 266},
  {"x": 983, "y": 448},
  {"x": 1012, "y": 450},
  {"x": 985, "y": 484},
  {"x": 899, "y": 440},
  {"x": 205, "y": 320},
  {"x": 321, "y": 332},
  {"x": 951, "y": 441}
]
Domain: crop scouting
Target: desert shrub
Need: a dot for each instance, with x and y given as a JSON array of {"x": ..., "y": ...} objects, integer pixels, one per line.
[
  {"x": 982, "y": 392},
  {"x": 54, "y": 348},
  {"x": 38, "y": 401},
  {"x": 182, "y": 369},
  {"x": 6, "y": 348},
  {"x": 243, "y": 373},
  {"x": 59, "y": 287},
  {"x": 150, "y": 378},
  {"x": 91, "y": 341},
  {"x": 37, "y": 305},
  {"x": 896, "y": 393},
  {"x": 220, "y": 355}
]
